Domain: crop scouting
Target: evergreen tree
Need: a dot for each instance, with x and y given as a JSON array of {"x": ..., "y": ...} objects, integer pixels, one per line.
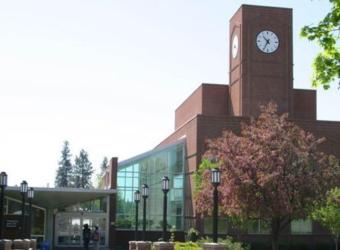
[
  {"x": 103, "y": 166},
  {"x": 82, "y": 171},
  {"x": 65, "y": 167}
]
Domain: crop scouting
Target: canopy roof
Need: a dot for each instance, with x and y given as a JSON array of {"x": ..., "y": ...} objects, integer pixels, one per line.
[{"x": 60, "y": 197}]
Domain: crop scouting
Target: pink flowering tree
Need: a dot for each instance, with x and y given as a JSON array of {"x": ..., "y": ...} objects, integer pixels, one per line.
[{"x": 272, "y": 170}]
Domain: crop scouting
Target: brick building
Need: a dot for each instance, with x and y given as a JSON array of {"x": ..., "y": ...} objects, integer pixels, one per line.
[{"x": 261, "y": 70}]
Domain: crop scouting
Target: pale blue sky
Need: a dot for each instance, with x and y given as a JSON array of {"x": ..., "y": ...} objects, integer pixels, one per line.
[{"x": 108, "y": 75}]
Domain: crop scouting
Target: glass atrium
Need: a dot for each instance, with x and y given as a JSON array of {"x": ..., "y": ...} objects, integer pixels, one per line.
[{"x": 149, "y": 168}]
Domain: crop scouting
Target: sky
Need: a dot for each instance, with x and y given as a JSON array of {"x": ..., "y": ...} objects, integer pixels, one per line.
[{"x": 107, "y": 75}]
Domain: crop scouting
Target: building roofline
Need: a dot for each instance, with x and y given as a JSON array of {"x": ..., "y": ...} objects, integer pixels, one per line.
[
  {"x": 66, "y": 190},
  {"x": 152, "y": 151}
]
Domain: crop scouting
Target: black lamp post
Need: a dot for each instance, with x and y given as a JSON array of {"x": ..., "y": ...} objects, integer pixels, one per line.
[
  {"x": 3, "y": 185},
  {"x": 145, "y": 195},
  {"x": 165, "y": 189},
  {"x": 30, "y": 196},
  {"x": 215, "y": 180},
  {"x": 137, "y": 200},
  {"x": 23, "y": 191}
]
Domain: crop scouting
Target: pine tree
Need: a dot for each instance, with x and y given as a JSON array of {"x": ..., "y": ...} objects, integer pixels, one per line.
[
  {"x": 82, "y": 171},
  {"x": 65, "y": 167},
  {"x": 103, "y": 166}
]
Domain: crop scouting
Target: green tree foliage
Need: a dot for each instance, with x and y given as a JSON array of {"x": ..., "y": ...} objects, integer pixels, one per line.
[
  {"x": 206, "y": 164},
  {"x": 82, "y": 171},
  {"x": 100, "y": 175},
  {"x": 272, "y": 170},
  {"x": 326, "y": 65},
  {"x": 65, "y": 167},
  {"x": 104, "y": 165},
  {"x": 328, "y": 214}
]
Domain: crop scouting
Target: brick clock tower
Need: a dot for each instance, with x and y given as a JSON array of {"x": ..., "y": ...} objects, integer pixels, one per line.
[{"x": 261, "y": 59}]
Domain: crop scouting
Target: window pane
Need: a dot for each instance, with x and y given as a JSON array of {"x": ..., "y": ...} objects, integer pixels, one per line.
[
  {"x": 129, "y": 169},
  {"x": 178, "y": 181},
  {"x": 222, "y": 225},
  {"x": 128, "y": 182},
  {"x": 149, "y": 169},
  {"x": 301, "y": 226},
  {"x": 207, "y": 225},
  {"x": 258, "y": 226},
  {"x": 121, "y": 181}
]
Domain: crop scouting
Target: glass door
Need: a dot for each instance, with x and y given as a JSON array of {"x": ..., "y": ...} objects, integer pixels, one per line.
[
  {"x": 69, "y": 227},
  {"x": 97, "y": 219}
]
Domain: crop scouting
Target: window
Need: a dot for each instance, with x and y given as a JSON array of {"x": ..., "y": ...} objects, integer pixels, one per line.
[
  {"x": 222, "y": 225},
  {"x": 150, "y": 168},
  {"x": 38, "y": 217},
  {"x": 259, "y": 226},
  {"x": 301, "y": 226}
]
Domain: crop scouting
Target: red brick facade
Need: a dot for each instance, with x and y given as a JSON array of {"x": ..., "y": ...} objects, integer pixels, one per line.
[{"x": 255, "y": 78}]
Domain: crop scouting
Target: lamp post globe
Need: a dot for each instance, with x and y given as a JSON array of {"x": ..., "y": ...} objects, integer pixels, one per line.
[
  {"x": 165, "y": 184},
  {"x": 30, "y": 193},
  {"x": 23, "y": 191},
  {"x": 165, "y": 189},
  {"x": 137, "y": 196},
  {"x": 3, "y": 180},
  {"x": 24, "y": 187},
  {"x": 3, "y": 185},
  {"x": 145, "y": 191},
  {"x": 145, "y": 195},
  {"x": 215, "y": 180},
  {"x": 30, "y": 196},
  {"x": 137, "y": 200},
  {"x": 215, "y": 176}
]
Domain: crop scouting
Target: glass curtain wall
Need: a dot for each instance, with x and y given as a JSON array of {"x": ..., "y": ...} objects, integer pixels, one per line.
[{"x": 149, "y": 169}]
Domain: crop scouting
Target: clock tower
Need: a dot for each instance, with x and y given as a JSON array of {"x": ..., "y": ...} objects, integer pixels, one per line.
[{"x": 261, "y": 59}]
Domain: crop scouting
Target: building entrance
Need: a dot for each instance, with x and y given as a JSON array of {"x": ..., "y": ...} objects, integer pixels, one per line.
[{"x": 69, "y": 227}]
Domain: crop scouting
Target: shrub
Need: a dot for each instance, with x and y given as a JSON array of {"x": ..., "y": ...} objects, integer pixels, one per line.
[
  {"x": 187, "y": 246},
  {"x": 192, "y": 235},
  {"x": 229, "y": 242}
]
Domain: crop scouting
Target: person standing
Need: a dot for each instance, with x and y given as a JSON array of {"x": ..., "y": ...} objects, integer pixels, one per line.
[
  {"x": 96, "y": 238},
  {"x": 86, "y": 236}
]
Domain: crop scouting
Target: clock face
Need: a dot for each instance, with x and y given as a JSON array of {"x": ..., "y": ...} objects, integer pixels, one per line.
[
  {"x": 235, "y": 46},
  {"x": 267, "y": 41}
]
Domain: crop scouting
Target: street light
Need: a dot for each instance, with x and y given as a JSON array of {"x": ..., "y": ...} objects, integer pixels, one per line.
[
  {"x": 165, "y": 189},
  {"x": 215, "y": 180},
  {"x": 30, "y": 196},
  {"x": 145, "y": 195},
  {"x": 3, "y": 185},
  {"x": 23, "y": 191},
  {"x": 137, "y": 200}
]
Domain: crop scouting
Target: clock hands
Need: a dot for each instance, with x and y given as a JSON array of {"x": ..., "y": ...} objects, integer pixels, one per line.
[{"x": 267, "y": 42}]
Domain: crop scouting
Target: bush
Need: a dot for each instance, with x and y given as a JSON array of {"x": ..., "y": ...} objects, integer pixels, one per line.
[
  {"x": 229, "y": 242},
  {"x": 187, "y": 246},
  {"x": 192, "y": 235}
]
